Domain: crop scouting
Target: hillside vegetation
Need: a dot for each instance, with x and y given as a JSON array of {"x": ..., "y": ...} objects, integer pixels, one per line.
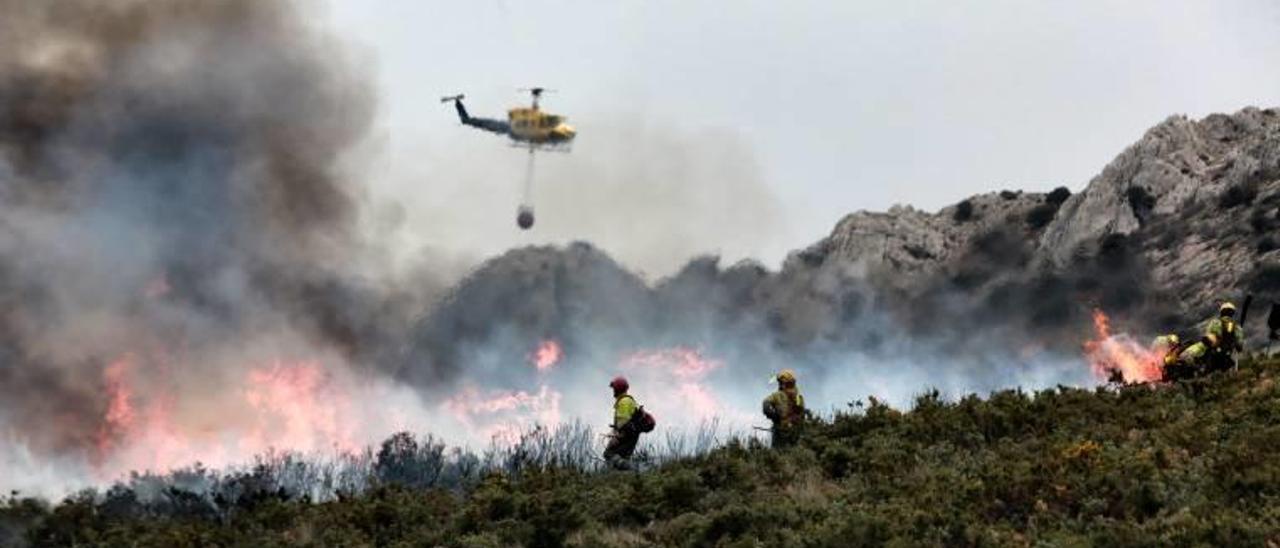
[{"x": 1138, "y": 465}]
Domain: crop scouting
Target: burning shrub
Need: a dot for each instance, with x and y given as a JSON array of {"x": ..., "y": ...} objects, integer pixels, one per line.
[{"x": 1118, "y": 356}]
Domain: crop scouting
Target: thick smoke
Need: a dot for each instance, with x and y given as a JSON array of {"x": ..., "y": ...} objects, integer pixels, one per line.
[
  {"x": 184, "y": 264},
  {"x": 173, "y": 198},
  {"x": 849, "y": 335}
]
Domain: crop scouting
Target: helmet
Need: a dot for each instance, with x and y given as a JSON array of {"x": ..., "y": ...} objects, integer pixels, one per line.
[
  {"x": 1227, "y": 309},
  {"x": 787, "y": 375},
  {"x": 619, "y": 384}
]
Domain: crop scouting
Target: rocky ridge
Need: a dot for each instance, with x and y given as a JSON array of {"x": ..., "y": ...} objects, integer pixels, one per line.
[{"x": 1199, "y": 198}]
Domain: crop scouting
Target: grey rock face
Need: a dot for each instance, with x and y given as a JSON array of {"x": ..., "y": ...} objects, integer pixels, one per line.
[
  {"x": 1201, "y": 199},
  {"x": 910, "y": 242},
  {"x": 1202, "y": 196}
]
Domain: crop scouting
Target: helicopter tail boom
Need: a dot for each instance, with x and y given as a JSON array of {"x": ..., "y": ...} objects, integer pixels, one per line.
[{"x": 487, "y": 124}]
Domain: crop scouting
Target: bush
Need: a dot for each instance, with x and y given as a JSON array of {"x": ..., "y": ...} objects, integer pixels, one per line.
[
  {"x": 1265, "y": 220},
  {"x": 838, "y": 461},
  {"x": 1041, "y": 215},
  {"x": 1237, "y": 195},
  {"x": 402, "y": 461},
  {"x": 681, "y": 492},
  {"x": 1140, "y": 201},
  {"x": 964, "y": 211},
  {"x": 1057, "y": 196}
]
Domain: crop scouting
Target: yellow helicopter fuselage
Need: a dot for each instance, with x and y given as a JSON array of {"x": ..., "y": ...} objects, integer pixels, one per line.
[{"x": 530, "y": 124}]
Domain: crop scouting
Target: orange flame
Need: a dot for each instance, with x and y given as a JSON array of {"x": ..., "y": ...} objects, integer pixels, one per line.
[
  {"x": 298, "y": 407},
  {"x": 1110, "y": 354},
  {"x": 288, "y": 407},
  {"x": 502, "y": 415},
  {"x": 684, "y": 363},
  {"x": 688, "y": 367},
  {"x": 120, "y": 414},
  {"x": 700, "y": 401},
  {"x": 546, "y": 355}
]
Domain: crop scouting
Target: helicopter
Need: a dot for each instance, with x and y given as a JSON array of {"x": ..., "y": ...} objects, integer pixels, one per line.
[{"x": 527, "y": 127}]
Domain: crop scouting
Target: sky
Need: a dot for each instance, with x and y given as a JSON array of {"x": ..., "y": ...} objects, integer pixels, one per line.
[{"x": 749, "y": 128}]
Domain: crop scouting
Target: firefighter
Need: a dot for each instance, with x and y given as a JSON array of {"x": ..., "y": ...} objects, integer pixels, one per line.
[
  {"x": 624, "y": 435},
  {"x": 1168, "y": 345},
  {"x": 785, "y": 409},
  {"x": 1222, "y": 338},
  {"x": 1170, "y": 348}
]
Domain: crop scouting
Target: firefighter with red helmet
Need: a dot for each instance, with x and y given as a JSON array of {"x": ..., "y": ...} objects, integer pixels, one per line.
[{"x": 624, "y": 435}]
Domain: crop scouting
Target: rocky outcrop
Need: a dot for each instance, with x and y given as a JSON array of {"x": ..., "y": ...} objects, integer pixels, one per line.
[
  {"x": 1202, "y": 194},
  {"x": 1200, "y": 201},
  {"x": 910, "y": 242}
]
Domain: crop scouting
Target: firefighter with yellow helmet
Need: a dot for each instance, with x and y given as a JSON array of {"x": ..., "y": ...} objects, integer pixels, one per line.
[
  {"x": 1223, "y": 337},
  {"x": 1170, "y": 347},
  {"x": 785, "y": 409}
]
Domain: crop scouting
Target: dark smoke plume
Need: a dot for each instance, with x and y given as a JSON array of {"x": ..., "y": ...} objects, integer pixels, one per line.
[{"x": 171, "y": 176}]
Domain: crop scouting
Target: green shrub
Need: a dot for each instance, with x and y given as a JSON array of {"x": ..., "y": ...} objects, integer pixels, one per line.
[
  {"x": 681, "y": 492},
  {"x": 838, "y": 461}
]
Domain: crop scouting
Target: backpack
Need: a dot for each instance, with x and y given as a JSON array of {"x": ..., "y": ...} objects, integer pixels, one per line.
[{"x": 642, "y": 421}]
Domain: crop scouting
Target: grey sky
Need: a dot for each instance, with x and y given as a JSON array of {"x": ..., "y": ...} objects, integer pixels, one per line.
[{"x": 834, "y": 106}]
